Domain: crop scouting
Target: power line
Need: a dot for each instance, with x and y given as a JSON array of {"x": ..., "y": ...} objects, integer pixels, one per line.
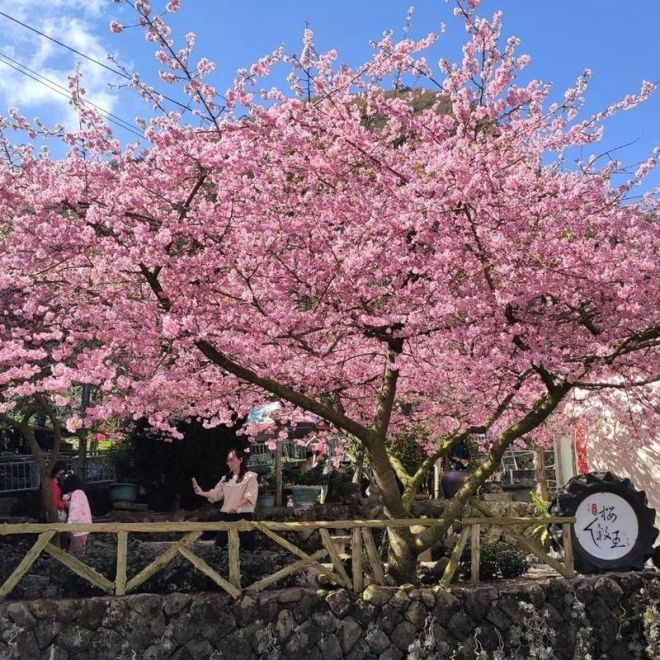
[
  {"x": 24, "y": 68},
  {"x": 62, "y": 91},
  {"x": 117, "y": 72}
]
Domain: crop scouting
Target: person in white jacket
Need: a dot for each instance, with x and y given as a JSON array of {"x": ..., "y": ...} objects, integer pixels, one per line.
[{"x": 238, "y": 493}]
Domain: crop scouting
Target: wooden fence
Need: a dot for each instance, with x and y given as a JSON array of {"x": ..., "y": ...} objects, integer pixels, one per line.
[{"x": 364, "y": 555}]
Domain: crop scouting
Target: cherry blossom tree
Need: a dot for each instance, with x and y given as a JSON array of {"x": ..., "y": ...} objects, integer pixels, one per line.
[{"x": 390, "y": 260}]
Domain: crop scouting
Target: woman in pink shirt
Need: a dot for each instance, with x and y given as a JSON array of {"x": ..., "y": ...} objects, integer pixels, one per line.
[{"x": 238, "y": 492}]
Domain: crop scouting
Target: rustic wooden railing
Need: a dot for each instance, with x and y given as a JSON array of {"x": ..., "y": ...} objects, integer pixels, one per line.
[{"x": 361, "y": 538}]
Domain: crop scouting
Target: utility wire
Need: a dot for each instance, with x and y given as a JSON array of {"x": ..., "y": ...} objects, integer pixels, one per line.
[
  {"x": 63, "y": 91},
  {"x": 117, "y": 72},
  {"x": 48, "y": 81}
]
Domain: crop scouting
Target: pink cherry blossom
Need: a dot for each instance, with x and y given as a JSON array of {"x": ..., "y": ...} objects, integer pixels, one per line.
[{"x": 413, "y": 263}]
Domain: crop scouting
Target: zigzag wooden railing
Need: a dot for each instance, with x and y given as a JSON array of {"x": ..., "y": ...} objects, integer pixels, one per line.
[{"x": 362, "y": 541}]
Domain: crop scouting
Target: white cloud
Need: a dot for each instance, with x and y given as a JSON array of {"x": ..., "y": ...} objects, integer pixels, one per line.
[{"x": 81, "y": 24}]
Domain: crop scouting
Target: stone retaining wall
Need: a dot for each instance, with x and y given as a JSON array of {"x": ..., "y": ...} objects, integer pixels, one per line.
[{"x": 613, "y": 616}]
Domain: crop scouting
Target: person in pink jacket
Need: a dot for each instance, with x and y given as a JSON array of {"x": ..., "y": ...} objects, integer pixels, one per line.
[{"x": 79, "y": 512}]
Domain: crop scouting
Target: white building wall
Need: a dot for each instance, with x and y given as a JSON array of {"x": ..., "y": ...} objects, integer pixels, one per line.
[{"x": 640, "y": 465}]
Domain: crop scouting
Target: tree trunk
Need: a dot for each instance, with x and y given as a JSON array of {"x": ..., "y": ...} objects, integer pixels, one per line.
[{"x": 402, "y": 555}]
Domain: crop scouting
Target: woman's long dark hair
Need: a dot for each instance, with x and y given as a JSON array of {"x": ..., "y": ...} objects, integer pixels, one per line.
[
  {"x": 71, "y": 483},
  {"x": 58, "y": 467}
]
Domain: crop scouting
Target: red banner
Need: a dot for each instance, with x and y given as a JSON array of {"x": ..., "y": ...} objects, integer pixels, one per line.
[{"x": 582, "y": 463}]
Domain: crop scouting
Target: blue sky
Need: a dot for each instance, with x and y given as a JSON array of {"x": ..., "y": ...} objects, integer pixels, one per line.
[{"x": 616, "y": 39}]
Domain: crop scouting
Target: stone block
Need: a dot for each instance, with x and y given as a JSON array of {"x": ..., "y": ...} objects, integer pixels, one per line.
[
  {"x": 477, "y": 603},
  {"x": 330, "y": 648},
  {"x": 404, "y": 635},
  {"x": 363, "y": 612},
  {"x": 446, "y": 604},
  {"x": 391, "y": 653},
  {"x": 460, "y": 626},
  {"x": 400, "y": 599},
  {"x": 608, "y": 590},
  {"x": 378, "y": 595},
  {"x": 54, "y": 652},
  {"x": 327, "y": 622},
  {"x": 20, "y": 614},
  {"x": 175, "y": 603},
  {"x": 377, "y": 640},
  {"x": 361, "y": 651},
  {"x": 199, "y": 649},
  {"x": 349, "y": 633},
  {"x": 284, "y": 625},
  {"x": 339, "y": 602},
  {"x": 416, "y": 614},
  {"x": 499, "y": 619},
  {"x": 389, "y": 618}
]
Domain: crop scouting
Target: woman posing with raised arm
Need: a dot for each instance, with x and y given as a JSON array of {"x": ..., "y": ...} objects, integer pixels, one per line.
[{"x": 238, "y": 492}]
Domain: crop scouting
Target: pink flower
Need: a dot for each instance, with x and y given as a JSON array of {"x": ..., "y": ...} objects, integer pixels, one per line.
[
  {"x": 173, "y": 5},
  {"x": 116, "y": 27}
]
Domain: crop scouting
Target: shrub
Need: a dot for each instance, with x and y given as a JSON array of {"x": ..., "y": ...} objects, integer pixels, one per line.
[{"x": 497, "y": 560}]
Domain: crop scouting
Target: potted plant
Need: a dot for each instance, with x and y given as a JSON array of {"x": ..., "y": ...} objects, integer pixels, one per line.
[
  {"x": 121, "y": 458},
  {"x": 306, "y": 488},
  {"x": 266, "y": 498}
]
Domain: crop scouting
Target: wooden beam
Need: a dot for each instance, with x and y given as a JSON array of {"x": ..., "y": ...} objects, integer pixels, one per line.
[
  {"x": 529, "y": 545},
  {"x": 296, "y": 551},
  {"x": 25, "y": 563},
  {"x": 160, "y": 561},
  {"x": 86, "y": 572},
  {"x": 122, "y": 556},
  {"x": 329, "y": 545},
  {"x": 372, "y": 555},
  {"x": 234, "y": 559},
  {"x": 451, "y": 567},
  {"x": 185, "y": 527},
  {"x": 287, "y": 570},
  {"x": 567, "y": 544},
  {"x": 202, "y": 566},
  {"x": 356, "y": 560},
  {"x": 475, "y": 554}
]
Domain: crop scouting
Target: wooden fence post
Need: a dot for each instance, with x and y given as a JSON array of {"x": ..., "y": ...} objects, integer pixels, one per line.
[
  {"x": 356, "y": 560},
  {"x": 567, "y": 543},
  {"x": 122, "y": 555},
  {"x": 451, "y": 567},
  {"x": 475, "y": 554},
  {"x": 234, "y": 558}
]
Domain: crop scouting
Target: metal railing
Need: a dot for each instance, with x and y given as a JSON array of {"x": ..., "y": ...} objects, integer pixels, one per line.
[
  {"x": 19, "y": 473},
  {"x": 261, "y": 456}
]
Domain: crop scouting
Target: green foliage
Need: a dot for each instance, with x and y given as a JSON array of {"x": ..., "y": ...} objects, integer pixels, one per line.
[
  {"x": 267, "y": 481},
  {"x": 341, "y": 489},
  {"x": 121, "y": 456},
  {"x": 497, "y": 560},
  {"x": 542, "y": 510},
  {"x": 314, "y": 477},
  {"x": 405, "y": 449}
]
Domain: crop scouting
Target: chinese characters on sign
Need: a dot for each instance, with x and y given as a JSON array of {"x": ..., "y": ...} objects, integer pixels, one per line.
[
  {"x": 606, "y": 525},
  {"x": 603, "y": 527}
]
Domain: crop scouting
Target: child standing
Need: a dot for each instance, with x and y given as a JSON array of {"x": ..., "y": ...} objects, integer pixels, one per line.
[{"x": 79, "y": 512}]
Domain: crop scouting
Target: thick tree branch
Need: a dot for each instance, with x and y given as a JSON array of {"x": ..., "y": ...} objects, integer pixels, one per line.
[{"x": 285, "y": 392}]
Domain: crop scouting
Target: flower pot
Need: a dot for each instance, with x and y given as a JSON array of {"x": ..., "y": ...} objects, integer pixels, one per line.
[
  {"x": 266, "y": 501},
  {"x": 123, "y": 492},
  {"x": 451, "y": 481},
  {"x": 305, "y": 496}
]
